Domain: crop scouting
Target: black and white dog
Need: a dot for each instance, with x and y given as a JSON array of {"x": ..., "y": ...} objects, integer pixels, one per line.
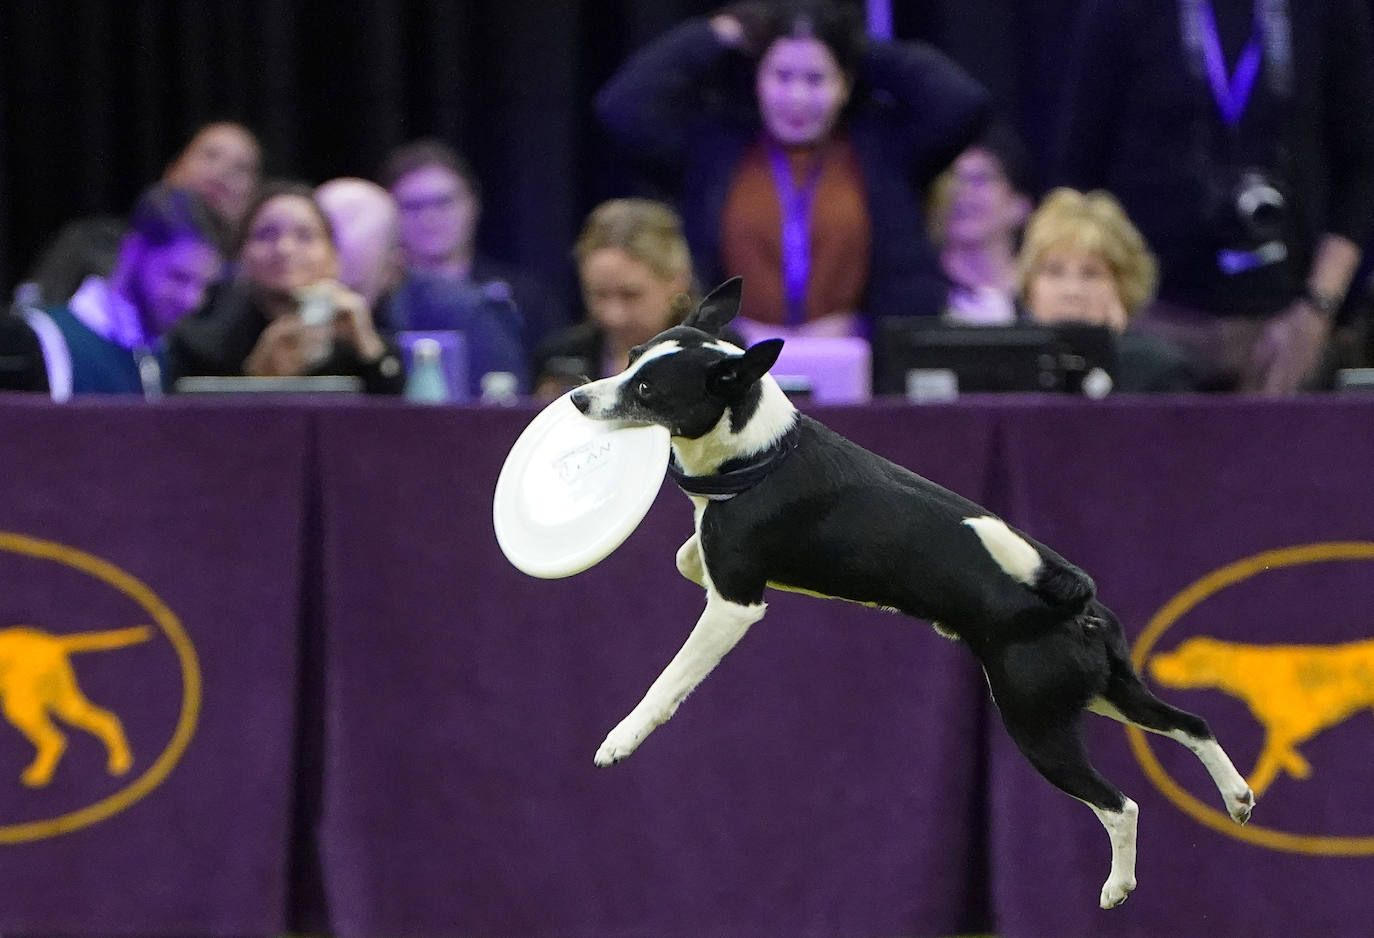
[{"x": 781, "y": 500}]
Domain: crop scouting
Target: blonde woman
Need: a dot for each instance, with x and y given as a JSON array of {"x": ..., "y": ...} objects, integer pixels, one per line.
[
  {"x": 1082, "y": 260},
  {"x": 635, "y": 272}
]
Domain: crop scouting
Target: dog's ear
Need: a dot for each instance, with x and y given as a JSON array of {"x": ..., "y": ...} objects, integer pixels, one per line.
[
  {"x": 730, "y": 377},
  {"x": 719, "y": 307}
]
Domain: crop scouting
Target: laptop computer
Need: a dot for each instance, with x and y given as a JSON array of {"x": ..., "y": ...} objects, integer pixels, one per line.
[{"x": 290, "y": 384}]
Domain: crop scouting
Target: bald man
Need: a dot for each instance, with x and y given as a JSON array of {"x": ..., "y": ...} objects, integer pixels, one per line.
[{"x": 365, "y": 221}]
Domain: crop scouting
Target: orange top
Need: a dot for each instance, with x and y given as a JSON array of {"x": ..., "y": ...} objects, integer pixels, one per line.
[{"x": 839, "y": 232}]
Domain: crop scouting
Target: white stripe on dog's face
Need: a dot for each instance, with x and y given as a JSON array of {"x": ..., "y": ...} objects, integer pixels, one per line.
[
  {"x": 668, "y": 384},
  {"x": 602, "y": 395}
]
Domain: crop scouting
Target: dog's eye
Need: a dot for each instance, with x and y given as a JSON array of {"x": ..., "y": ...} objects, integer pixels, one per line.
[{"x": 644, "y": 391}]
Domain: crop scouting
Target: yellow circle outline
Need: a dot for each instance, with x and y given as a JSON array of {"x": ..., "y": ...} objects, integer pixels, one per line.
[
  {"x": 190, "y": 702},
  {"x": 1163, "y": 620}
]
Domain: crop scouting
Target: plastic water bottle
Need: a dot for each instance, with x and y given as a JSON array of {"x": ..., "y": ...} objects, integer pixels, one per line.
[
  {"x": 501, "y": 388},
  {"x": 425, "y": 384}
]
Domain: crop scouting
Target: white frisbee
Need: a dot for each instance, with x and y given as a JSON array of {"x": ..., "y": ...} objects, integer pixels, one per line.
[{"x": 572, "y": 489}]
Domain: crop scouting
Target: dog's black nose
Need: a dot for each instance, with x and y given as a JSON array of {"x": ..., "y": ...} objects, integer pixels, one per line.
[{"x": 579, "y": 400}]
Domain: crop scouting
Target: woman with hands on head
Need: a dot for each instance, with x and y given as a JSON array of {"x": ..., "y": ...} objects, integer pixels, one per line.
[
  {"x": 287, "y": 314},
  {"x": 799, "y": 153}
]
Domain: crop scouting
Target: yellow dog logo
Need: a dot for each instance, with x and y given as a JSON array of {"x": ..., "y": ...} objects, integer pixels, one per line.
[
  {"x": 37, "y": 683},
  {"x": 1294, "y": 691}
]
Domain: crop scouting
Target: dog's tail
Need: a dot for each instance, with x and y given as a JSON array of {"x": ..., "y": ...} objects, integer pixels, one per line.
[
  {"x": 1063, "y": 585},
  {"x": 1051, "y": 577}
]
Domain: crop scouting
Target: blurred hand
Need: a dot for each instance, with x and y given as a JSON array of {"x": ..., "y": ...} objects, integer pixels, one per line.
[
  {"x": 286, "y": 347},
  {"x": 353, "y": 323},
  {"x": 741, "y": 25},
  {"x": 1288, "y": 351},
  {"x": 291, "y": 346}
]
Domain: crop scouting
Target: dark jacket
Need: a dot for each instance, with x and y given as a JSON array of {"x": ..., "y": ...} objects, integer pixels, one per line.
[
  {"x": 685, "y": 105},
  {"x": 491, "y": 326},
  {"x": 1140, "y": 121},
  {"x": 218, "y": 339}
]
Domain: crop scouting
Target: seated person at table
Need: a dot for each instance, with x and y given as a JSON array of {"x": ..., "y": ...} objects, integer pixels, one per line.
[
  {"x": 977, "y": 210},
  {"x": 1084, "y": 261},
  {"x": 21, "y": 357},
  {"x": 285, "y": 313},
  {"x": 364, "y": 217},
  {"x": 109, "y": 337},
  {"x": 82, "y": 248},
  {"x": 636, "y": 275},
  {"x": 440, "y": 200}
]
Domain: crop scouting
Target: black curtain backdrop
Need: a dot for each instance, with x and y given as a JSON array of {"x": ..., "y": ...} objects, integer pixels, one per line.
[{"x": 98, "y": 95}]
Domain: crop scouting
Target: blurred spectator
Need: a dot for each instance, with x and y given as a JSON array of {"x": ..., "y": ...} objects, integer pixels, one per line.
[
  {"x": 440, "y": 200},
  {"x": 82, "y": 248},
  {"x": 977, "y": 209},
  {"x": 286, "y": 314},
  {"x": 636, "y": 275},
  {"x": 221, "y": 161},
  {"x": 364, "y": 218},
  {"x": 799, "y": 155},
  {"x": 108, "y": 338},
  {"x": 1083, "y": 261},
  {"x": 21, "y": 357},
  {"x": 1239, "y": 135}
]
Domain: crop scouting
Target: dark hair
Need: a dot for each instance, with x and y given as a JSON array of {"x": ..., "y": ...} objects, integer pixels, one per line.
[
  {"x": 270, "y": 190},
  {"x": 82, "y": 248},
  {"x": 164, "y": 214},
  {"x": 1002, "y": 141},
  {"x": 418, "y": 154},
  {"x": 835, "y": 25}
]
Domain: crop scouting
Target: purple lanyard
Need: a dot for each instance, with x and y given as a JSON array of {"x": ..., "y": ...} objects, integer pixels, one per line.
[
  {"x": 1232, "y": 92},
  {"x": 795, "y": 202}
]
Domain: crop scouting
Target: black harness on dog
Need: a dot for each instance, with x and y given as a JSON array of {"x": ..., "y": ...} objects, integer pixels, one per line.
[{"x": 746, "y": 473}]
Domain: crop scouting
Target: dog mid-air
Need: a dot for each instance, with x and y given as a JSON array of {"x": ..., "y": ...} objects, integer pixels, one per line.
[{"x": 781, "y": 500}]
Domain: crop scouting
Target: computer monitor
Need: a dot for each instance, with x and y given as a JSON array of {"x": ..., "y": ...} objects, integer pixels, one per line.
[{"x": 911, "y": 353}]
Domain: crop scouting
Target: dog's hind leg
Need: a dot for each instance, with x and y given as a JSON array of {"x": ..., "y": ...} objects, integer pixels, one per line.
[
  {"x": 1052, "y": 744},
  {"x": 720, "y": 627},
  {"x": 689, "y": 562},
  {"x": 1127, "y": 699}
]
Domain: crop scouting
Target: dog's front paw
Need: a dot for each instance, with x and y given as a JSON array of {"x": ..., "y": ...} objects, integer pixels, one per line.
[
  {"x": 1115, "y": 890},
  {"x": 618, "y": 746}
]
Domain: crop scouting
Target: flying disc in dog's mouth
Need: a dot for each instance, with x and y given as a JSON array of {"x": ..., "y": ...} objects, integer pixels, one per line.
[{"x": 572, "y": 489}]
